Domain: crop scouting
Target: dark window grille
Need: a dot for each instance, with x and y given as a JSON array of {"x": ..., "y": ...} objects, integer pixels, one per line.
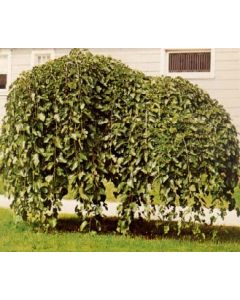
[
  {"x": 190, "y": 62},
  {"x": 3, "y": 81}
]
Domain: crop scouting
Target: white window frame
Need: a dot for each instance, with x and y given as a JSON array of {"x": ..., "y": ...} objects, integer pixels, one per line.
[
  {"x": 188, "y": 75},
  {"x": 50, "y": 52},
  {"x": 8, "y": 53}
]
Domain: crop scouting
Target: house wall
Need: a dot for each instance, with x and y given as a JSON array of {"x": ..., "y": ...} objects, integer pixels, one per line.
[
  {"x": 145, "y": 59},
  {"x": 2, "y": 105},
  {"x": 224, "y": 86}
]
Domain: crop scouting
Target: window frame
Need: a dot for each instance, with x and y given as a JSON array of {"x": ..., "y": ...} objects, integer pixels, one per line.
[
  {"x": 188, "y": 75},
  {"x": 50, "y": 52},
  {"x": 8, "y": 53}
]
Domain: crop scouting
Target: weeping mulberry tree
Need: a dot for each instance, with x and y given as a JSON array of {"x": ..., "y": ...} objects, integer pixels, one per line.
[{"x": 83, "y": 118}]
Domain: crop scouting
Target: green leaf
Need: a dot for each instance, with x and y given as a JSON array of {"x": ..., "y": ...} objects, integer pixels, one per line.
[
  {"x": 74, "y": 136},
  {"x": 130, "y": 183},
  {"x": 53, "y": 222},
  {"x": 57, "y": 117},
  {"x": 82, "y": 194},
  {"x": 82, "y": 156},
  {"x": 41, "y": 117},
  {"x": 62, "y": 159},
  {"x": 72, "y": 85},
  {"x": 192, "y": 188},
  {"x": 74, "y": 166},
  {"x": 83, "y": 225},
  {"x": 44, "y": 190},
  {"x": 36, "y": 159},
  {"x": 50, "y": 165},
  {"x": 166, "y": 229},
  {"x": 49, "y": 178},
  {"x": 98, "y": 88},
  {"x": 58, "y": 143}
]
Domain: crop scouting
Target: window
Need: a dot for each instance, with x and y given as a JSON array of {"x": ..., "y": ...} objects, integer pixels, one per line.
[
  {"x": 3, "y": 71},
  {"x": 41, "y": 56},
  {"x": 190, "y": 63},
  {"x": 5, "y": 68}
]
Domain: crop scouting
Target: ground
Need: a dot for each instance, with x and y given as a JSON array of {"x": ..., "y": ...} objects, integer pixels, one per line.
[{"x": 20, "y": 237}]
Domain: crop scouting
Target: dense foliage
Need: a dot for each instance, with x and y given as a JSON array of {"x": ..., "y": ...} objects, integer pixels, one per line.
[{"x": 82, "y": 119}]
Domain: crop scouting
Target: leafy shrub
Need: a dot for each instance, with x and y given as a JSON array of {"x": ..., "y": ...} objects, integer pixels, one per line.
[
  {"x": 83, "y": 119},
  {"x": 198, "y": 151},
  {"x": 59, "y": 129}
]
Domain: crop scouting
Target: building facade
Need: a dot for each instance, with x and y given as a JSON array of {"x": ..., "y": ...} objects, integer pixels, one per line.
[{"x": 217, "y": 71}]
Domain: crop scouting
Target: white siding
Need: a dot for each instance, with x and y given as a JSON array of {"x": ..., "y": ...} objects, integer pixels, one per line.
[
  {"x": 144, "y": 59},
  {"x": 60, "y": 52},
  {"x": 2, "y": 106},
  {"x": 21, "y": 61},
  {"x": 225, "y": 86}
]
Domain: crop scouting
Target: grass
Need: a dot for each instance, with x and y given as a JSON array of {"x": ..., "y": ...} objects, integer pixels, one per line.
[{"x": 20, "y": 237}]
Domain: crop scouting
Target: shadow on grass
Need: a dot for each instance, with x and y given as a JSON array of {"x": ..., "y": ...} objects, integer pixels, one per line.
[{"x": 155, "y": 229}]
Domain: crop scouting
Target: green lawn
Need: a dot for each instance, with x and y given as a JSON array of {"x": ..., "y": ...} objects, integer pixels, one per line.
[{"x": 20, "y": 237}]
